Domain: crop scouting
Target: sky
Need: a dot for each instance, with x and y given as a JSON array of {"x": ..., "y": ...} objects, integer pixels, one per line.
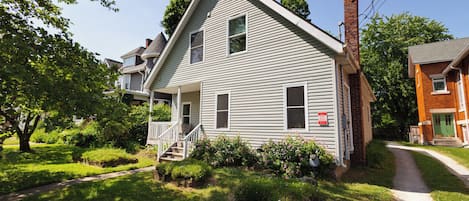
[{"x": 112, "y": 34}]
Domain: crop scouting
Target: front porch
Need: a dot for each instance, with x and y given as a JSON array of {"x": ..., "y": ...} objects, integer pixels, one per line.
[{"x": 175, "y": 138}]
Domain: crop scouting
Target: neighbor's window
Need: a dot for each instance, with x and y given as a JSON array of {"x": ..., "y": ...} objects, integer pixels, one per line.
[
  {"x": 296, "y": 107},
  {"x": 237, "y": 34},
  {"x": 130, "y": 61},
  {"x": 439, "y": 84},
  {"x": 462, "y": 107},
  {"x": 222, "y": 110},
  {"x": 197, "y": 47},
  {"x": 186, "y": 113}
]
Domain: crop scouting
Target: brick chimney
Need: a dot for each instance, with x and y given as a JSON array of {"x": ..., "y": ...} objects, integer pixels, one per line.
[
  {"x": 148, "y": 42},
  {"x": 352, "y": 41},
  {"x": 352, "y": 38}
]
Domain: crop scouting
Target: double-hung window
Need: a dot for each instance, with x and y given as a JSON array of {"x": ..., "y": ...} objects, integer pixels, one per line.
[
  {"x": 439, "y": 84},
  {"x": 197, "y": 47},
  {"x": 223, "y": 109},
  {"x": 237, "y": 34},
  {"x": 296, "y": 107}
]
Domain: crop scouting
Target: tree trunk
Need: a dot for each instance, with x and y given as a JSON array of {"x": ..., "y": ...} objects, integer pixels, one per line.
[{"x": 24, "y": 143}]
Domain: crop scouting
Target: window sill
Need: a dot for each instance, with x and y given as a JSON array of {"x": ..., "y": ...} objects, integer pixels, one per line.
[
  {"x": 440, "y": 93},
  {"x": 237, "y": 53}
]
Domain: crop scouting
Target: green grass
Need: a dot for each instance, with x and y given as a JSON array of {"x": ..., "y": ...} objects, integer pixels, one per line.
[
  {"x": 106, "y": 155},
  {"x": 456, "y": 153},
  {"x": 376, "y": 181},
  {"x": 444, "y": 185},
  {"x": 48, "y": 164},
  {"x": 11, "y": 141},
  {"x": 225, "y": 180}
]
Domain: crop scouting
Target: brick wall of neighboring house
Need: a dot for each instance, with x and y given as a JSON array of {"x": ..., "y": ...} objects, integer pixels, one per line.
[{"x": 428, "y": 101}]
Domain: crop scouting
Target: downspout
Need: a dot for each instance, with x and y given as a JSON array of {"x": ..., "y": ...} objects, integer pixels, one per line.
[{"x": 339, "y": 116}]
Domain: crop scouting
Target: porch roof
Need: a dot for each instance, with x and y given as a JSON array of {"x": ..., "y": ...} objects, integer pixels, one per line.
[{"x": 185, "y": 88}]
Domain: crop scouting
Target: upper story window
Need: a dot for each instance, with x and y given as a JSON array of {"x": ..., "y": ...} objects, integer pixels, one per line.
[
  {"x": 237, "y": 34},
  {"x": 197, "y": 47},
  {"x": 130, "y": 61},
  {"x": 439, "y": 84}
]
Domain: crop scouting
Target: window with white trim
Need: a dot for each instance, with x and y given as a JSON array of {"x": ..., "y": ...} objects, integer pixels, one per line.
[
  {"x": 237, "y": 34},
  {"x": 439, "y": 84},
  {"x": 130, "y": 61},
  {"x": 461, "y": 96},
  {"x": 222, "y": 110},
  {"x": 296, "y": 107},
  {"x": 186, "y": 113},
  {"x": 197, "y": 47}
]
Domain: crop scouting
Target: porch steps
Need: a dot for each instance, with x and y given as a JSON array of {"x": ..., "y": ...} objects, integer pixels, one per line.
[
  {"x": 447, "y": 142},
  {"x": 175, "y": 153}
]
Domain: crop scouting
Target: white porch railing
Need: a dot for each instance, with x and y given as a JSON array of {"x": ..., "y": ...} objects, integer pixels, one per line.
[
  {"x": 190, "y": 140},
  {"x": 155, "y": 129},
  {"x": 167, "y": 139}
]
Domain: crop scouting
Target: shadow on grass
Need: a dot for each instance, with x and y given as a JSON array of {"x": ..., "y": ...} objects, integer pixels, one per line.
[
  {"x": 133, "y": 187},
  {"x": 16, "y": 179}
]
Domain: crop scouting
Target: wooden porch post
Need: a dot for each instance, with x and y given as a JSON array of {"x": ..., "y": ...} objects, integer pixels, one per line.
[
  {"x": 152, "y": 96},
  {"x": 150, "y": 120},
  {"x": 179, "y": 105}
]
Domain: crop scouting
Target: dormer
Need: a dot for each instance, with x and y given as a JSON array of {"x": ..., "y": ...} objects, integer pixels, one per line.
[{"x": 133, "y": 57}]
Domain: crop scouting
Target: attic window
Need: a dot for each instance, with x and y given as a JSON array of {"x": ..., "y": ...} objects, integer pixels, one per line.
[
  {"x": 130, "y": 61},
  {"x": 439, "y": 84},
  {"x": 237, "y": 34},
  {"x": 197, "y": 47}
]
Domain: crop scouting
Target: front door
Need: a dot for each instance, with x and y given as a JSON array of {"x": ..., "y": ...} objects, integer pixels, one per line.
[{"x": 443, "y": 125}]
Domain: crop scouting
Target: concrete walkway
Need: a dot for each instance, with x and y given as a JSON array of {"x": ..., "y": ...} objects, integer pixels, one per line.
[
  {"x": 42, "y": 189},
  {"x": 408, "y": 183},
  {"x": 454, "y": 167}
]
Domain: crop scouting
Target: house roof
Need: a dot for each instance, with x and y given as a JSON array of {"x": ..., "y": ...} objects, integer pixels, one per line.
[
  {"x": 438, "y": 51},
  {"x": 136, "y": 51},
  {"x": 330, "y": 41},
  {"x": 442, "y": 51},
  {"x": 112, "y": 62},
  {"x": 459, "y": 58},
  {"x": 156, "y": 47}
]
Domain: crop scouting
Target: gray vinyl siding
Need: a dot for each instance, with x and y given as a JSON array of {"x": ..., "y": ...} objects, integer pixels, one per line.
[
  {"x": 278, "y": 53},
  {"x": 136, "y": 81}
]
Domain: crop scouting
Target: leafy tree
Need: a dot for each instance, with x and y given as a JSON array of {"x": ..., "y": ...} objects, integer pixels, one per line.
[
  {"x": 173, "y": 14},
  {"x": 384, "y": 52},
  {"x": 44, "y": 75},
  {"x": 299, "y": 7}
]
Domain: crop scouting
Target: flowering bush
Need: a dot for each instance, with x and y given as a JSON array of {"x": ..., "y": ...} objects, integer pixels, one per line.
[
  {"x": 223, "y": 152},
  {"x": 296, "y": 157}
]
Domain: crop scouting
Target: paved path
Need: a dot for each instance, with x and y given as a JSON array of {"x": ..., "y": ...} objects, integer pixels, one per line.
[
  {"x": 41, "y": 189},
  {"x": 454, "y": 167},
  {"x": 408, "y": 183}
]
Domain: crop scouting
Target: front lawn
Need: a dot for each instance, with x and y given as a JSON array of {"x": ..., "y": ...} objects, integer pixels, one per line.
[
  {"x": 444, "y": 185},
  {"x": 49, "y": 164},
  {"x": 225, "y": 180},
  {"x": 458, "y": 154}
]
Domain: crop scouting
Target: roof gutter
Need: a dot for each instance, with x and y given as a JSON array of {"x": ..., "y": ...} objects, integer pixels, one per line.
[{"x": 463, "y": 54}]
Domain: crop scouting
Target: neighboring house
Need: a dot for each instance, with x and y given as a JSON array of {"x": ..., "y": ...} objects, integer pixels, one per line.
[
  {"x": 441, "y": 77},
  {"x": 135, "y": 68},
  {"x": 252, "y": 68}
]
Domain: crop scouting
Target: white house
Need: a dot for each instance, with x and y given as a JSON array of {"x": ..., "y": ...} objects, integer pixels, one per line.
[{"x": 253, "y": 68}]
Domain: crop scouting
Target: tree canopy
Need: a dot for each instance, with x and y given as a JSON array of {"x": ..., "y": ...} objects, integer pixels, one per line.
[
  {"x": 44, "y": 75},
  {"x": 176, "y": 8},
  {"x": 384, "y": 52},
  {"x": 299, "y": 7}
]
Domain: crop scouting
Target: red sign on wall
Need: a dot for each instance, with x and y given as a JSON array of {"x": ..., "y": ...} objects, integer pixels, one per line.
[{"x": 322, "y": 118}]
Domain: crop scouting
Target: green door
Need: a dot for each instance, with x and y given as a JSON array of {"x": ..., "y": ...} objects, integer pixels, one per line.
[{"x": 443, "y": 125}]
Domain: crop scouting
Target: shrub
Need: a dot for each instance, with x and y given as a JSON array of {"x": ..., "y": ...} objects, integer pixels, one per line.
[
  {"x": 376, "y": 154},
  {"x": 188, "y": 170},
  {"x": 292, "y": 157},
  {"x": 264, "y": 188},
  {"x": 108, "y": 157},
  {"x": 86, "y": 135},
  {"x": 223, "y": 152},
  {"x": 41, "y": 136}
]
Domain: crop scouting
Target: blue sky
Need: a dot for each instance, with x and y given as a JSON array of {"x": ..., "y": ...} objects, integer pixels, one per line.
[{"x": 113, "y": 34}]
